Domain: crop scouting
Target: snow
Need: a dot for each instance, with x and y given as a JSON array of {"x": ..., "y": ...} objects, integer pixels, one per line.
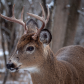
[
  {"x": 12, "y": 82},
  {"x": 83, "y": 8},
  {"x": 79, "y": 11},
  {"x": 67, "y": 5},
  {"x": 9, "y": 3},
  {"x": 3, "y": 1},
  {"x": 2, "y": 63},
  {"x": 4, "y": 12},
  {"x": 3, "y": 70},
  {"x": 28, "y": 17},
  {"x": 30, "y": 1},
  {"x": 6, "y": 52},
  {"x": 51, "y": 4},
  {"x": 1, "y": 52},
  {"x": 1, "y": 82},
  {"x": 17, "y": 52}
]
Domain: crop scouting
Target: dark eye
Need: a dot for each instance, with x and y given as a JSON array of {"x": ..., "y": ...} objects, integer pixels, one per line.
[{"x": 30, "y": 48}]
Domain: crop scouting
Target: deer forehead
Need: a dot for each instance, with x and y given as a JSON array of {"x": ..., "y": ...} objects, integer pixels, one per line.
[{"x": 27, "y": 39}]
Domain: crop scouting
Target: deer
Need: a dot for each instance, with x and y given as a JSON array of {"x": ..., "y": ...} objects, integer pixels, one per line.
[{"x": 33, "y": 53}]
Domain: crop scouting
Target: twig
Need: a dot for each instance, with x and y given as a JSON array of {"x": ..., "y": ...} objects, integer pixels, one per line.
[
  {"x": 6, "y": 30},
  {"x": 5, "y": 78}
]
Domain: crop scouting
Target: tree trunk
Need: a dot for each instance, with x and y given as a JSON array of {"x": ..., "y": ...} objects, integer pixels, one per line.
[
  {"x": 60, "y": 22},
  {"x": 72, "y": 22}
]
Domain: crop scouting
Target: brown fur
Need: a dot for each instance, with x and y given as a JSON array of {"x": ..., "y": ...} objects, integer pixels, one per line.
[{"x": 66, "y": 67}]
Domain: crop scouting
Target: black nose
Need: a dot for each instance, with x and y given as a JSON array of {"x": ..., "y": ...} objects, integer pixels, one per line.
[{"x": 10, "y": 65}]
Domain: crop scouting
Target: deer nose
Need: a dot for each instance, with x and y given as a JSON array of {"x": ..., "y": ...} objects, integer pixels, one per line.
[{"x": 10, "y": 66}]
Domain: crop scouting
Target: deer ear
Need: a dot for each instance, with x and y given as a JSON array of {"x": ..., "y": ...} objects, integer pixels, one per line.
[{"x": 45, "y": 36}]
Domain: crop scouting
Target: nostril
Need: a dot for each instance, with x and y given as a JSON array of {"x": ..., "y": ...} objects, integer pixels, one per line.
[
  {"x": 10, "y": 65},
  {"x": 17, "y": 58}
]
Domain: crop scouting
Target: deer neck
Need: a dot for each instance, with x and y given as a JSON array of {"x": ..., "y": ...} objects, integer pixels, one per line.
[{"x": 45, "y": 73}]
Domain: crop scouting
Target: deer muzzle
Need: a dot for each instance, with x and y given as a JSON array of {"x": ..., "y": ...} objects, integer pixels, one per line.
[{"x": 11, "y": 66}]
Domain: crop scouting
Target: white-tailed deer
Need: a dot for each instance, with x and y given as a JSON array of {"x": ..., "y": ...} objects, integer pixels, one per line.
[{"x": 32, "y": 53}]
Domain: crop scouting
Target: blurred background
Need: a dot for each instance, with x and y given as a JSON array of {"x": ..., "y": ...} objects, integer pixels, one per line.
[{"x": 66, "y": 25}]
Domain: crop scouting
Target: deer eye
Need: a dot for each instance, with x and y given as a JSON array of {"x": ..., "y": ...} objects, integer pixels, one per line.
[{"x": 30, "y": 48}]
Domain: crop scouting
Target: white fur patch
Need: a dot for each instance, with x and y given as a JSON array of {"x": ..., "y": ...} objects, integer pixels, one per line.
[{"x": 31, "y": 69}]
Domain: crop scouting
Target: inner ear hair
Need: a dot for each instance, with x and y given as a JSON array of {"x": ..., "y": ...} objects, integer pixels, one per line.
[{"x": 45, "y": 36}]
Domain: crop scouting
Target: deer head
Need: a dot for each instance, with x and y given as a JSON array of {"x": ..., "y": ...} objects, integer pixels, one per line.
[{"x": 30, "y": 50}]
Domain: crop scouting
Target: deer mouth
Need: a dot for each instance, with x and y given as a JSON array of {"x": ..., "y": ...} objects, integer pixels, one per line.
[{"x": 14, "y": 69}]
